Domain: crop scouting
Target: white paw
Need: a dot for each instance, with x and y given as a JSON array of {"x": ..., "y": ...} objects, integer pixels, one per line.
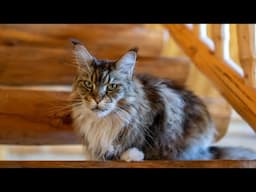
[{"x": 132, "y": 154}]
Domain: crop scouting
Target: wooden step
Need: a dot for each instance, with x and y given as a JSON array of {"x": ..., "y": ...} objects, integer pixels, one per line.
[
  {"x": 121, "y": 164},
  {"x": 37, "y": 66},
  {"x": 98, "y": 38},
  {"x": 42, "y": 53},
  {"x": 30, "y": 117}
]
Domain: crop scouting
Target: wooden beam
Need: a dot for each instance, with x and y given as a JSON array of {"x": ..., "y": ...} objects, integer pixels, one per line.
[
  {"x": 117, "y": 38},
  {"x": 30, "y": 117},
  {"x": 230, "y": 84},
  {"x": 34, "y": 66},
  {"x": 121, "y": 164},
  {"x": 245, "y": 38}
]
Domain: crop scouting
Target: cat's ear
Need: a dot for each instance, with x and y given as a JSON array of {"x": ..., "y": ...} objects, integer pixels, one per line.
[
  {"x": 82, "y": 55},
  {"x": 126, "y": 63}
]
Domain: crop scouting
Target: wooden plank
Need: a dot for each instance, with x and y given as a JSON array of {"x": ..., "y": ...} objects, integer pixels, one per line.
[
  {"x": 117, "y": 38},
  {"x": 34, "y": 66},
  {"x": 30, "y": 117},
  {"x": 121, "y": 164},
  {"x": 231, "y": 85},
  {"x": 245, "y": 38}
]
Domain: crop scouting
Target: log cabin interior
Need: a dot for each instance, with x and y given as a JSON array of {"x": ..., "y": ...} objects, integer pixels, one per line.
[{"x": 216, "y": 61}]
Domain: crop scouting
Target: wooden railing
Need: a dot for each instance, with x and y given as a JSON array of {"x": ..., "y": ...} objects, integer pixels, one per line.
[{"x": 237, "y": 89}]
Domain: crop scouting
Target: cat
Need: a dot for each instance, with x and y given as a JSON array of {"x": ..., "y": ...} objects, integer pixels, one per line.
[{"x": 120, "y": 115}]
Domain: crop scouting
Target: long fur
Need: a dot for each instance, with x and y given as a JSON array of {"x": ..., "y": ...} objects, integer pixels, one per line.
[{"x": 141, "y": 117}]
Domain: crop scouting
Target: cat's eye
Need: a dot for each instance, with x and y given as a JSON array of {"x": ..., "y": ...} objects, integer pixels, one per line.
[
  {"x": 88, "y": 84},
  {"x": 111, "y": 87}
]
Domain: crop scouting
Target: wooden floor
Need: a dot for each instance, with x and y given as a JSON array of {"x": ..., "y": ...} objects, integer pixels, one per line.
[{"x": 121, "y": 164}]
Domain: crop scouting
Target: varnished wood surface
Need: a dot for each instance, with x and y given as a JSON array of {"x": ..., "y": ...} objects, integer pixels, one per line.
[
  {"x": 43, "y": 117},
  {"x": 42, "y": 53},
  {"x": 245, "y": 39},
  {"x": 122, "y": 164},
  {"x": 113, "y": 38},
  {"x": 39, "y": 66}
]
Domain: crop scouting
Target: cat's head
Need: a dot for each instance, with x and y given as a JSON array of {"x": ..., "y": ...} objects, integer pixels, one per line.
[{"x": 102, "y": 84}]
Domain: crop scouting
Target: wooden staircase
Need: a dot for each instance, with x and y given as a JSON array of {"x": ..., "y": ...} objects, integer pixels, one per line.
[{"x": 36, "y": 72}]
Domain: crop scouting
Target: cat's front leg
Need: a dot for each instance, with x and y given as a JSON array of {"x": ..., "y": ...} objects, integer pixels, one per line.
[{"x": 132, "y": 154}]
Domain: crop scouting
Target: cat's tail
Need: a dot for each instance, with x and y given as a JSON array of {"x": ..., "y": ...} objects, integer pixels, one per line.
[{"x": 232, "y": 153}]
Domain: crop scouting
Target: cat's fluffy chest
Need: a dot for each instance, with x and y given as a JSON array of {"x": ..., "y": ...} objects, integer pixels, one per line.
[{"x": 98, "y": 133}]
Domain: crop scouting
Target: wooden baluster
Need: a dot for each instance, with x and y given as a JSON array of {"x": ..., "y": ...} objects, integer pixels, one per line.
[
  {"x": 217, "y": 35},
  {"x": 197, "y": 81},
  {"x": 196, "y": 29},
  {"x": 245, "y": 37}
]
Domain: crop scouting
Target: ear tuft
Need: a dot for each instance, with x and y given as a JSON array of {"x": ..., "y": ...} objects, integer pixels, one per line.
[
  {"x": 75, "y": 41},
  {"x": 82, "y": 55},
  {"x": 135, "y": 49}
]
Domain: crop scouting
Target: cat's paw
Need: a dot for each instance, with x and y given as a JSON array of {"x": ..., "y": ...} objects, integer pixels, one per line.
[{"x": 132, "y": 154}]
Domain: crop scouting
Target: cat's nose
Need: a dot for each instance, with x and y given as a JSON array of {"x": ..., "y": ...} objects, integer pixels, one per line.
[{"x": 97, "y": 99}]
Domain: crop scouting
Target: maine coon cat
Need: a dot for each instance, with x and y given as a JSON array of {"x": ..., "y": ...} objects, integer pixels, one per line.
[{"x": 120, "y": 115}]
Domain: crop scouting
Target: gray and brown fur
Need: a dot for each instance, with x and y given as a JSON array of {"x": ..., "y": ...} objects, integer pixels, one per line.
[{"x": 155, "y": 116}]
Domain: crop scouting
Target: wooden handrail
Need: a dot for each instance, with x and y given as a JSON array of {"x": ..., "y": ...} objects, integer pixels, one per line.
[{"x": 230, "y": 84}]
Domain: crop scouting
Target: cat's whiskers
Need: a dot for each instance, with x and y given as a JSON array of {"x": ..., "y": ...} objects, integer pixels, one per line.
[
  {"x": 72, "y": 64},
  {"x": 63, "y": 108}
]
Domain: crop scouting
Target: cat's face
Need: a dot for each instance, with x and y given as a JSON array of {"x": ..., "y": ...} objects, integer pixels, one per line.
[{"x": 101, "y": 84}]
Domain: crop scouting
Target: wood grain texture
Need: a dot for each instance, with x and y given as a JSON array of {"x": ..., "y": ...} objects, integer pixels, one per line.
[
  {"x": 245, "y": 38},
  {"x": 30, "y": 117},
  {"x": 217, "y": 34},
  {"x": 115, "y": 38},
  {"x": 241, "y": 96},
  {"x": 35, "y": 66},
  {"x": 218, "y": 39},
  {"x": 34, "y": 117},
  {"x": 196, "y": 80},
  {"x": 121, "y": 164}
]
